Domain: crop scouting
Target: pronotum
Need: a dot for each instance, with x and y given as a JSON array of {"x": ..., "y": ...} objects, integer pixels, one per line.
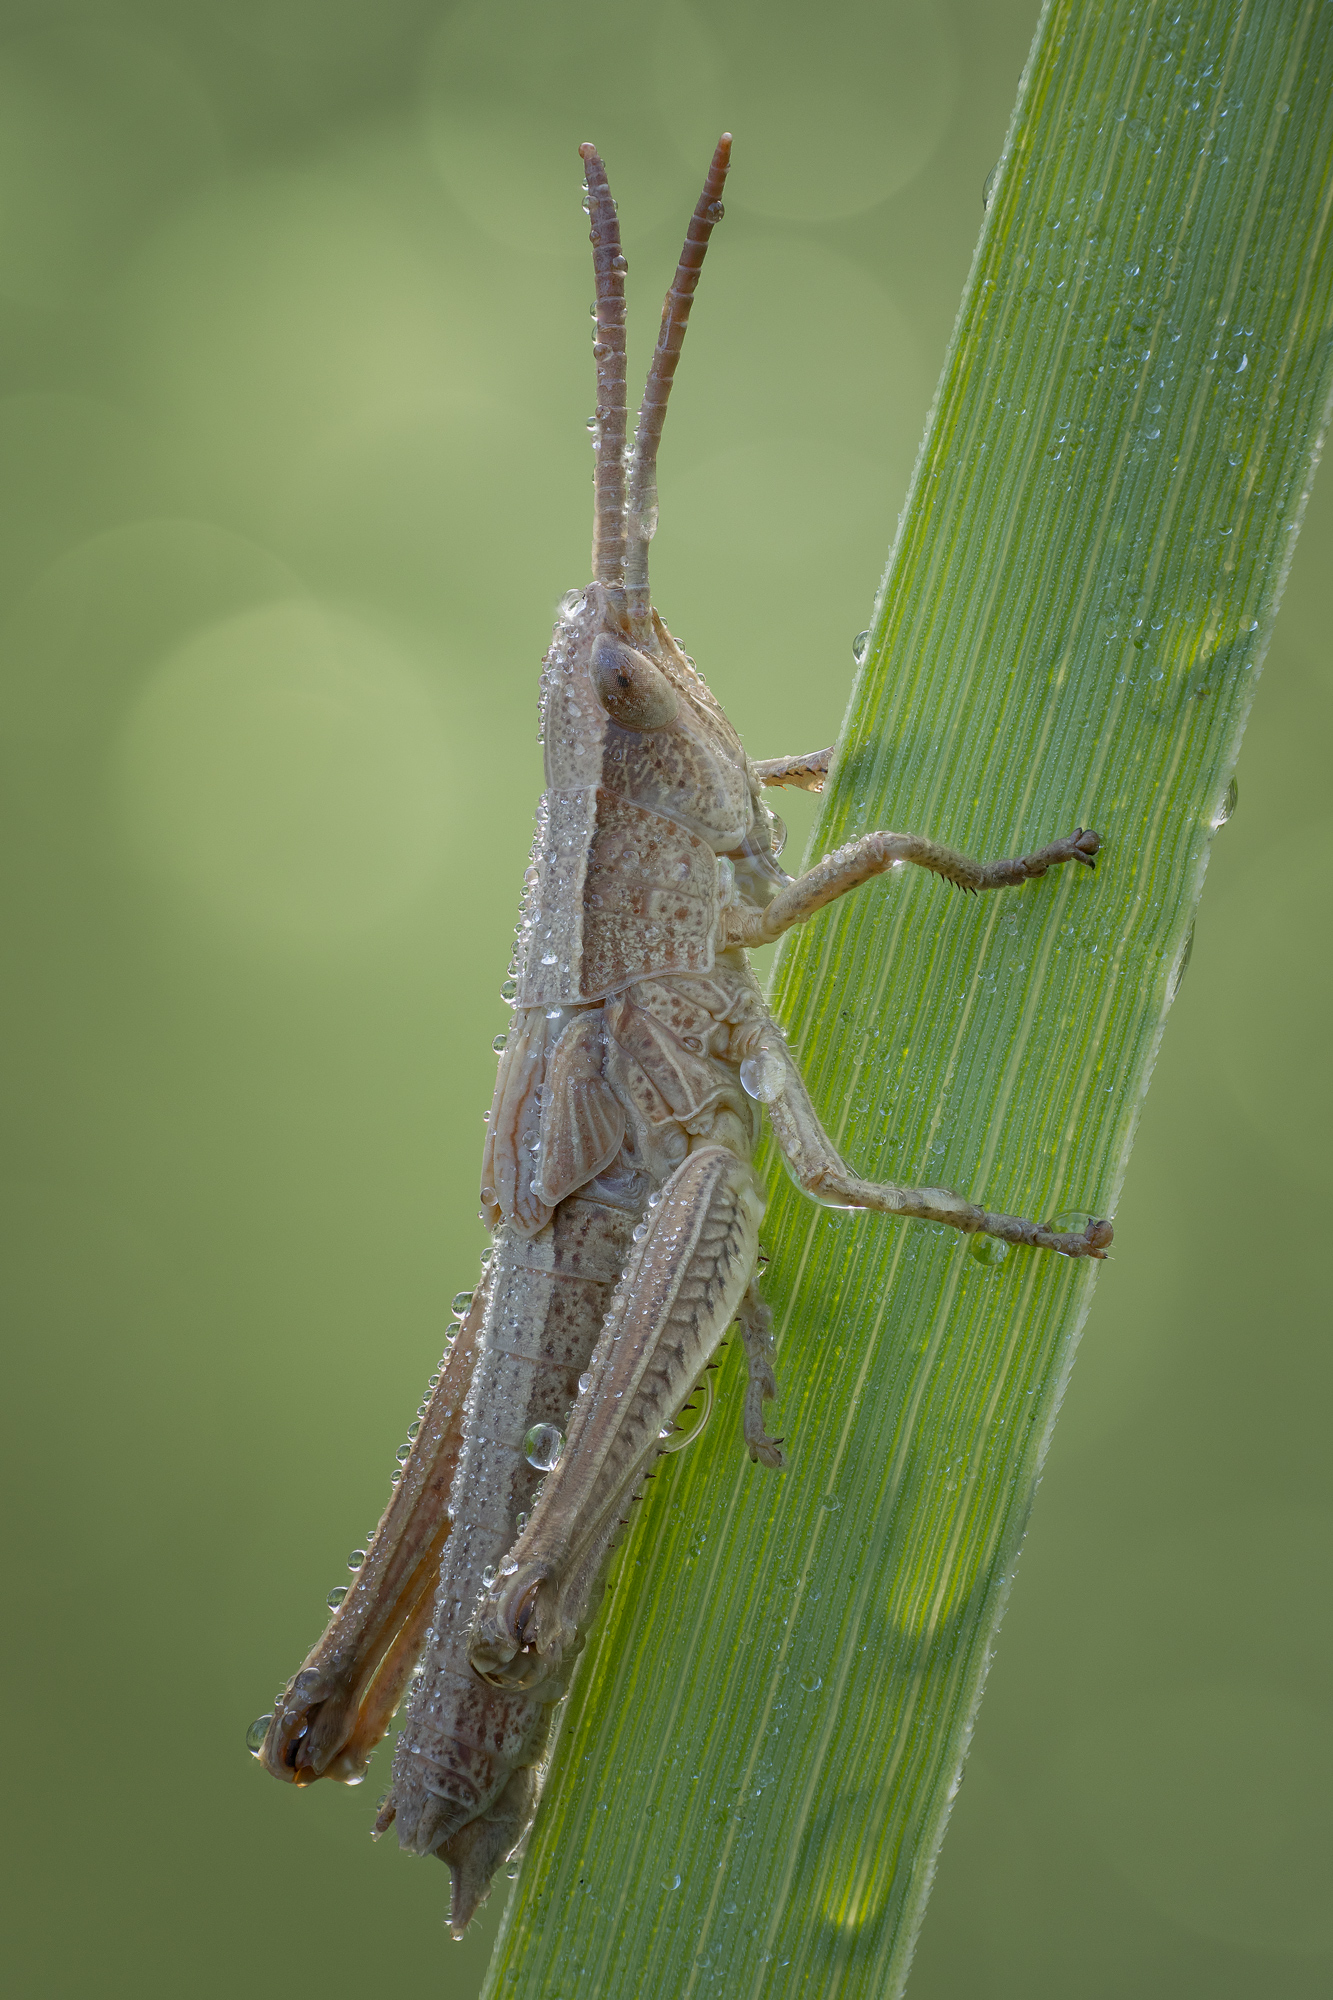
[{"x": 617, "y": 1175}]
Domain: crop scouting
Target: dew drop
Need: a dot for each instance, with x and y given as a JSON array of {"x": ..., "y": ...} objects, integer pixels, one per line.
[
  {"x": 859, "y": 646},
  {"x": 988, "y": 1250},
  {"x": 336, "y": 1595},
  {"x": 1182, "y": 966},
  {"x": 460, "y": 1303},
  {"x": 671, "y": 1882},
  {"x": 812, "y": 1682},
  {"x": 1228, "y": 805},
  {"x": 763, "y": 1075},
  {"x": 672, "y": 1438},
  {"x": 255, "y": 1734},
  {"x": 356, "y": 1559},
  {"x": 543, "y": 1445},
  {"x": 1071, "y": 1221},
  {"x": 988, "y": 188}
]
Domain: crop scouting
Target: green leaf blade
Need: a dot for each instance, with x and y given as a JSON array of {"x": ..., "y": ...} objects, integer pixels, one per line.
[{"x": 778, "y": 1699}]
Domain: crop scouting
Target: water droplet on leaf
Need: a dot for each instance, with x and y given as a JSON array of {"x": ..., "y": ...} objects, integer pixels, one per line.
[{"x": 988, "y": 1250}]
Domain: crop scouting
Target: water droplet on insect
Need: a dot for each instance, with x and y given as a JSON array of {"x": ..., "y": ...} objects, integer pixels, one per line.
[
  {"x": 859, "y": 646},
  {"x": 548, "y": 958},
  {"x": 640, "y": 1233},
  {"x": 988, "y": 1250},
  {"x": 585, "y": 1383},
  {"x": 499, "y": 1043},
  {"x": 1071, "y": 1221},
  {"x": 543, "y": 1445},
  {"x": 672, "y": 1438},
  {"x": 763, "y": 1076},
  {"x": 715, "y": 211},
  {"x": 336, "y": 1596},
  {"x": 403, "y": 1453},
  {"x": 255, "y": 1734},
  {"x": 489, "y": 1575},
  {"x": 355, "y": 1560},
  {"x": 460, "y": 1303},
  {"x": 414, "y": 1427},
  {"x": 509, "y": 991},
  {"x": 1228, "y": 805},
  {"x": 777, "y": 833},
  {"x": 520, "y": 1522}
]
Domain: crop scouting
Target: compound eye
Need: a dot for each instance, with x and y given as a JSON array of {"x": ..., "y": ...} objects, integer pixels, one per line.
[{"x": 630, "y": 688}]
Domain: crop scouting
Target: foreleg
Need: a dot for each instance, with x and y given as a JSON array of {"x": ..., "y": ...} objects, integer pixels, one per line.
[
  {"x": 875, "y": 854},
  {"x": 807, "y": 771},
  {"x": 817, "y": 1167}
]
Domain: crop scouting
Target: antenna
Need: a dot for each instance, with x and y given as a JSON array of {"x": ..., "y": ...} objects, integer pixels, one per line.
[
  {"x": 609, "y": 423},
  {"x": 642, "y": 510}
]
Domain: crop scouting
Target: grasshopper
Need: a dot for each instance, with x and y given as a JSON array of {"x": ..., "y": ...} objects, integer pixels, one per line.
[{"x": 617, "y": 1176}]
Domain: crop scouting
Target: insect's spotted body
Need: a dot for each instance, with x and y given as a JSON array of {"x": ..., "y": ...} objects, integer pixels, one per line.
[{"x": 617, "y": 1177}]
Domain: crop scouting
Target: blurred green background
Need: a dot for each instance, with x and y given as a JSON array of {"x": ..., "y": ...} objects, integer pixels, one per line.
[{"x": 293, "y": 468}]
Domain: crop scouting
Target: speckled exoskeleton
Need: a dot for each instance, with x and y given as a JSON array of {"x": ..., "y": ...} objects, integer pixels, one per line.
[{"x": 617, "y": 1176}]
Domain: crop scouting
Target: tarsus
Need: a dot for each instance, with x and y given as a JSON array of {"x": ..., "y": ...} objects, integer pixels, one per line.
[
  {"x": 608, "y": 263},
  {"x": 652, "y": 411}
]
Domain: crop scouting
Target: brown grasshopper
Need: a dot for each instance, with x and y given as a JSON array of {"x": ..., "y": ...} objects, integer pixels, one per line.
[{"x": 616, "y": 1177}]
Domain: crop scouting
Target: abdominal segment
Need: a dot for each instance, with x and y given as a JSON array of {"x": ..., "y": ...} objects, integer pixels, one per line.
[{"x": 658, "y": 1064}]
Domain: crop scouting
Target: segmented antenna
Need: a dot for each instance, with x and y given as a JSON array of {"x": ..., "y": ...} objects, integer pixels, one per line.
[
  {"x": 609, "y": 424},
  {"x": 642, "y": 509}
]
